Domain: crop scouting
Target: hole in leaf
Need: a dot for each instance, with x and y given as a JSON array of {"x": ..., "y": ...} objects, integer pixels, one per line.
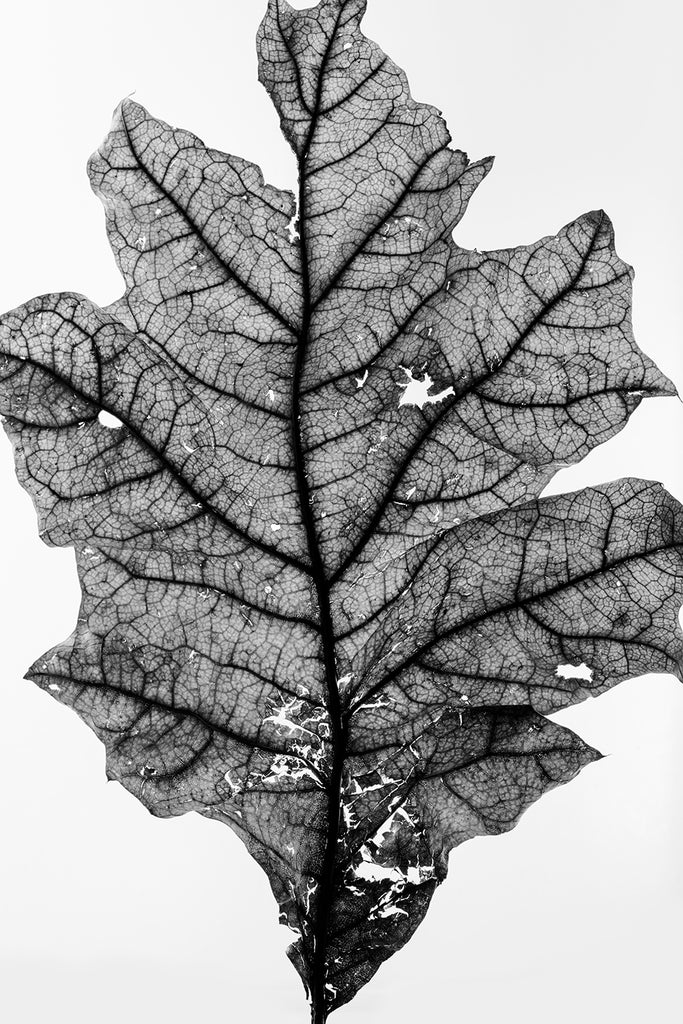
[
  {"x": 581, "y": 671},
  {"x": 416, "y": 391},
  {"x": 109, "y": 421}
]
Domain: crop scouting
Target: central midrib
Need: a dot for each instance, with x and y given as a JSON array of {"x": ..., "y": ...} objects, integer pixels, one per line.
[{"x": 325, "y": 892}]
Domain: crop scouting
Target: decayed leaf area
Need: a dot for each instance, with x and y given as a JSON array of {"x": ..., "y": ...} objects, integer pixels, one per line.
[{"x": 300, "y": 463}]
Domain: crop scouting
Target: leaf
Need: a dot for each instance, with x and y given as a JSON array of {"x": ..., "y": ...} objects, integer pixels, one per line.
[{"x": 300, "y": 462}]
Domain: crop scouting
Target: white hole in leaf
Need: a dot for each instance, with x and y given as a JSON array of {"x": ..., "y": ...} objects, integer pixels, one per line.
[
  {"x": 275, "y": 527},
  {"x": 581, "y": 671},
  {"x": 372, "y": 872},
  {"x": 416, "y": 392},
  {"x": 361, "y": 381},
  {"x": 236, "y": 785},
  {"x": 293, "y": 230},
  {"x": 109, "y": 421},
  {"x": 350, "y": 819}
]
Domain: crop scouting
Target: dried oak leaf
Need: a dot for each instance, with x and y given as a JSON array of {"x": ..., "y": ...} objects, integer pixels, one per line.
[{"x": 322, "y": 601}]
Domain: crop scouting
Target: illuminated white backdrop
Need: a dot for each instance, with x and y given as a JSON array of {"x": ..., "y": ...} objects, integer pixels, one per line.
[{"x": 108, "y": 915}]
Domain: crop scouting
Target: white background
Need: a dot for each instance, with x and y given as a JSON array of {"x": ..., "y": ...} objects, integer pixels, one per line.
[{"x": 108, "y": 915}]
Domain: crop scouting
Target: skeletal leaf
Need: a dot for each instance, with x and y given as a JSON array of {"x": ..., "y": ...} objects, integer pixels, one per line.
[{"x": 300, "y": 462}]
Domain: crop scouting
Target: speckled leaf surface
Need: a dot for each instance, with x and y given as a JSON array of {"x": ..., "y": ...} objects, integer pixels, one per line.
[{"x": 300, "y": 462}]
